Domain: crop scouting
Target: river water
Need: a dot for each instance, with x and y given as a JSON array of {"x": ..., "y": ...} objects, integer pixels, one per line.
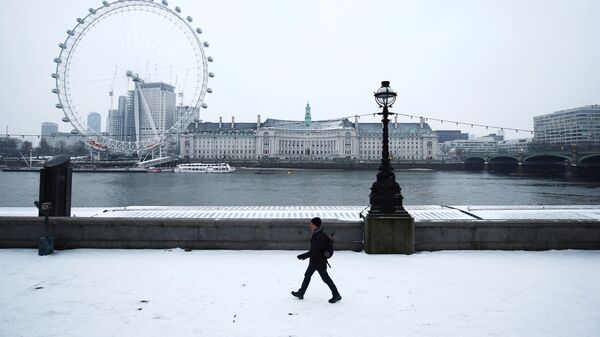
[{"x": 300, "y": 187}]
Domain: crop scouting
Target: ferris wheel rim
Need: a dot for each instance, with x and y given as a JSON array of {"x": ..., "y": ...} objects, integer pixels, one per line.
[{"x": 78, "y": 32}]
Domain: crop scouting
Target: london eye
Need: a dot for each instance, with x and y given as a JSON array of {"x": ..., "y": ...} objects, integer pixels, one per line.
[{"x": 139, "y": 67}]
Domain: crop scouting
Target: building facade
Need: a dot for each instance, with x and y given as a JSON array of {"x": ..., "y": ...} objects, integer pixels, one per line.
[
  {"x": 514, "y": 146},
  {"x": 48, "y": 128},
  {"x": 574, "y": 126},
  {"x": 472, "y": 147},
  {"x": 448, "y": 135},
  {"x": 94, "y": 122},
  {"x": 116, "y": 122},
  {"x": 306, "y": 140},
  {"x": 144, "y": 111}
]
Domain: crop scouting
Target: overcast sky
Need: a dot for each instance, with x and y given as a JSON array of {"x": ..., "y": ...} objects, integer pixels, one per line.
[{"x": 486, "y": 62}]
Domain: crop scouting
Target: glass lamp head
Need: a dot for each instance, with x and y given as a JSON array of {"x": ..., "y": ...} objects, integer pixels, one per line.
[{"x": 385, "y": 96}]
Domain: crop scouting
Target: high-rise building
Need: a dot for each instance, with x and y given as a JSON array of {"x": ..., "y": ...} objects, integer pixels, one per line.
[
  {"x": 94, "y": 122},
  {"x": 48, "y": 128},
  {"x": 116, "y": 120},
  {"x": 155, "y": 103},
  {"x": 573, "y": 126}
]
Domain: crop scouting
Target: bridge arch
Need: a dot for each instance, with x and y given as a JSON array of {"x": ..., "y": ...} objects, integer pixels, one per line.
[
  {"x": 589, "y": 166},
  {"x": 545, "y": 164},
  {"x": 474, "y": 164},
  {"x": 589, "y": 157},
  {"x": 503, "y": 164}
]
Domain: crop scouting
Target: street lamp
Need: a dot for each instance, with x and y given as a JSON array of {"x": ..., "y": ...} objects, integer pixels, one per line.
[{"x": 385, "y": 196}]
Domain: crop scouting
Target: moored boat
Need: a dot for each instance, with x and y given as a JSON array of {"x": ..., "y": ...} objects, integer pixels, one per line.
[{"x": 204, "y": 168}]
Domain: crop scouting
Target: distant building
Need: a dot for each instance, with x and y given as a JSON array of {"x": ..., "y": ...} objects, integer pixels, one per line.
[
  {"x": 514, "y": 146},
  {"x": 306, "y": 140},
  {"x": 574, "y": 126},
  {"x": 496, "y": 137},
  {"x": 447, "y": 135},
  {"x": 49, "y": 128},
  {"x": 116, "y": 120},
  {"x": 467, "y": 148},
  {"x": 156, "y": 106},
  {"x": 182, "y": 111},
  {"x": 94, "y": 122}
]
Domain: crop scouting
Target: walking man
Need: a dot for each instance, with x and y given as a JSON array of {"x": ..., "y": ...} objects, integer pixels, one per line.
[{"x": 317, "y": 262}]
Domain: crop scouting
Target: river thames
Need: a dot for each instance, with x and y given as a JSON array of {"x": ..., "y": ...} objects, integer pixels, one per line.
[{"x": 300, "y": 187}]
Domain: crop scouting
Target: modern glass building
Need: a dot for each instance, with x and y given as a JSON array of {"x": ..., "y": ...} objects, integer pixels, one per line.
[{"x": 572, "y": 126}]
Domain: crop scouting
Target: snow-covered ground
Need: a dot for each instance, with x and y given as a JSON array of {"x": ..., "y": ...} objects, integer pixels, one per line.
[{"x": 247, "y": 293}]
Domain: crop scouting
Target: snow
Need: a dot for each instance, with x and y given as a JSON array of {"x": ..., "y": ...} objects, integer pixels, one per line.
[{"x": 91, "y": 292}]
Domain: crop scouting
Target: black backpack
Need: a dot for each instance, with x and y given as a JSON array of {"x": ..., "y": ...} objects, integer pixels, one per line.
[{"x": 328, "y": 253}]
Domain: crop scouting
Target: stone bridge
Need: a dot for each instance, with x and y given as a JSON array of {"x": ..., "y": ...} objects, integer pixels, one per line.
[{"x": 582, "y": 164}]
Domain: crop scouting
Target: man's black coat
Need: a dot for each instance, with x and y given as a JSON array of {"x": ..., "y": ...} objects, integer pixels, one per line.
[{"x": 318, "y": 245}]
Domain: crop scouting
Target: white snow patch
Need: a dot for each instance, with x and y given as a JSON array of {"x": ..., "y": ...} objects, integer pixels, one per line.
[{"x": 90, "y": 292}]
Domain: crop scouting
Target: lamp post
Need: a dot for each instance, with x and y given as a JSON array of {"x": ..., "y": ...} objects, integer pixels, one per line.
[
  {"x": 389, "y": 229},
  {"x": 386, "y": 197}
]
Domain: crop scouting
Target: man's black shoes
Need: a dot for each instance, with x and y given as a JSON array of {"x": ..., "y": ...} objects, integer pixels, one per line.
[
  {"x": 335, "y": 298},
  {"x": 299, "y": 295}
]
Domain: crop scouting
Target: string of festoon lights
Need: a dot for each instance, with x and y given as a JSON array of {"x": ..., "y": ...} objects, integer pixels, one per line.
[
  {"x": 287, "y": 124},
  {"x": 468, "y": 124}
]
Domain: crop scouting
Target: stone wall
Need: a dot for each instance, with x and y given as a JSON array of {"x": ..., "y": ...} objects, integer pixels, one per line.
[
  {"x": 289, "y": 234},
  {"x": 293, "y": 234},
  {"x": 507, "y": 234}
]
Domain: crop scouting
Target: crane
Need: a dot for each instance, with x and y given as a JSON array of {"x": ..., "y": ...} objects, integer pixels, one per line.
[
  {"x": 111, "y": 90},
  {"x": 180, "y": 94}
]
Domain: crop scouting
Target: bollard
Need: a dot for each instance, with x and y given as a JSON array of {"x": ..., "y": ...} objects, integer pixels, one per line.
[{"x": 46, "y": 242}]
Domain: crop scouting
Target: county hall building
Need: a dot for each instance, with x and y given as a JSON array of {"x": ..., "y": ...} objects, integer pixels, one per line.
[{"x": 305, "y": 140}]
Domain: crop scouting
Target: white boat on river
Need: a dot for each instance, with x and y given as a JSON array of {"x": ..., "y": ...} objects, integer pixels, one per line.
[{"x": 204, "y": 168}]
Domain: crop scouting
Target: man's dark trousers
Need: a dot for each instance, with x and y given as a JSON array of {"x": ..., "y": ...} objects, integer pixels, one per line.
[{"x": 324, "y": 276}]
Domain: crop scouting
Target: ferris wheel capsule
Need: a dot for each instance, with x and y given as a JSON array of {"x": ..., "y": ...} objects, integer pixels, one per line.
[
  {"x": 62, "y": 46},
  {"x": 59, "y": 106},
  {"x": 209, "y": 59},
  {"x": 53, "y": 75},
  {"x": 178, "y": 9},
  {"x": 70, "y": 32},
  {"x": 189, "y": 18},
  {"x": 209, "y": 90},
  {"x": 211, "y": 75},
  {"x": 205, "y": 44},
  {"x": 198, "y": 30},
  {"x": 55, "y": 91},
  {"x": 65, "y": 119},
  {"x": 204, "y": 105},
  {"x": 57, "y": 60},
  {"x": 92, "y": 11},
  {"x": 80, "y": 21},
  {"x": 105, "y": 3},
  {"x": 165, "y": 3}
]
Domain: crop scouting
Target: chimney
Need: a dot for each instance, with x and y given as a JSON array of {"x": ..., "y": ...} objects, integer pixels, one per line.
[
  {"x": 232, "y": 122},
  {"x": 356, "y": 122},
  {"x": 396, "y": 121},
  {"x": 421, "y": 121},
  {"x": 220, "y": 122},
  {"x": 258, "y": 122}
]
